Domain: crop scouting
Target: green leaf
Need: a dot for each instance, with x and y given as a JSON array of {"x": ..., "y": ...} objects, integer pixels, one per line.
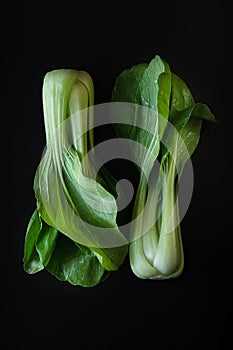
[
  {"x": 46, "y": 248},
  {"x": 94, "y": 204},
  {"x": 75, "y": 200},
  {"x": 97, "y": 207},
  {"x": 155, "y": 87},
  {"x": 186, "y": 116},
  {"x": 198, "y": 110},
  {"x": 188, "y": 124},
  {"x": 32, "y": 262},
  {"x": 181, "y": 97},
  {"x": 40, "y": 206},
  {"x": 75, "y": 264},
  {"x": 127, "y": 85},
  {"x": 149, "y": 86},
  {"x": 45, "y": 242},
  {"x": 39, "y": 244},
  {"x": 145, "y": 84},
  {"x": 127, "y": 89}
]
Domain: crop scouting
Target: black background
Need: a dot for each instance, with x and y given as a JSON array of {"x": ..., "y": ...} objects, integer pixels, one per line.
[{"x": 190, "y": 312}]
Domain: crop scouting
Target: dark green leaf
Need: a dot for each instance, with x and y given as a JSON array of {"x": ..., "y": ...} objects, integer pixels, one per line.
[
  {"x": 155, "y": 87},
  {"x": 126, "y": 88},
  {"x": 188, "y": 123},
  {"x": 32, "y": 262},
  {"x": 149, "y": 86},
  {"x": 181, "y": 97},
  {"x": 39, "y": 244},
  {"x": 186, "y": 116},
  {"x": 198, "y": 110},
  {"x": 76, "y": 265}
]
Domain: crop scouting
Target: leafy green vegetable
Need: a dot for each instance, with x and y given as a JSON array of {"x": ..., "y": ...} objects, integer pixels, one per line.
[
  {"x": 71, "y": 204},
  {"x": 156, "y": 250}
]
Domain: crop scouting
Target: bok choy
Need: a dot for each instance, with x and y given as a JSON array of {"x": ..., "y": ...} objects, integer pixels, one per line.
[
  {"x": 70, "y": 201},
  {"x": 156, "y": 252}
]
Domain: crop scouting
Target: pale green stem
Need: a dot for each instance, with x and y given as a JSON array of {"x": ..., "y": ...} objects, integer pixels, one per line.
[
  {"x": 85, "y": 78},
  {"x": 169, "y": 256},
  {"x": 78, "y": 103}
]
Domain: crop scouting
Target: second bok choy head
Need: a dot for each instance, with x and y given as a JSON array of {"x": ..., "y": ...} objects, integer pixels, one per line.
[
  {"x": 156, "y": 250},
  {"x": 72, "y": 205}
]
